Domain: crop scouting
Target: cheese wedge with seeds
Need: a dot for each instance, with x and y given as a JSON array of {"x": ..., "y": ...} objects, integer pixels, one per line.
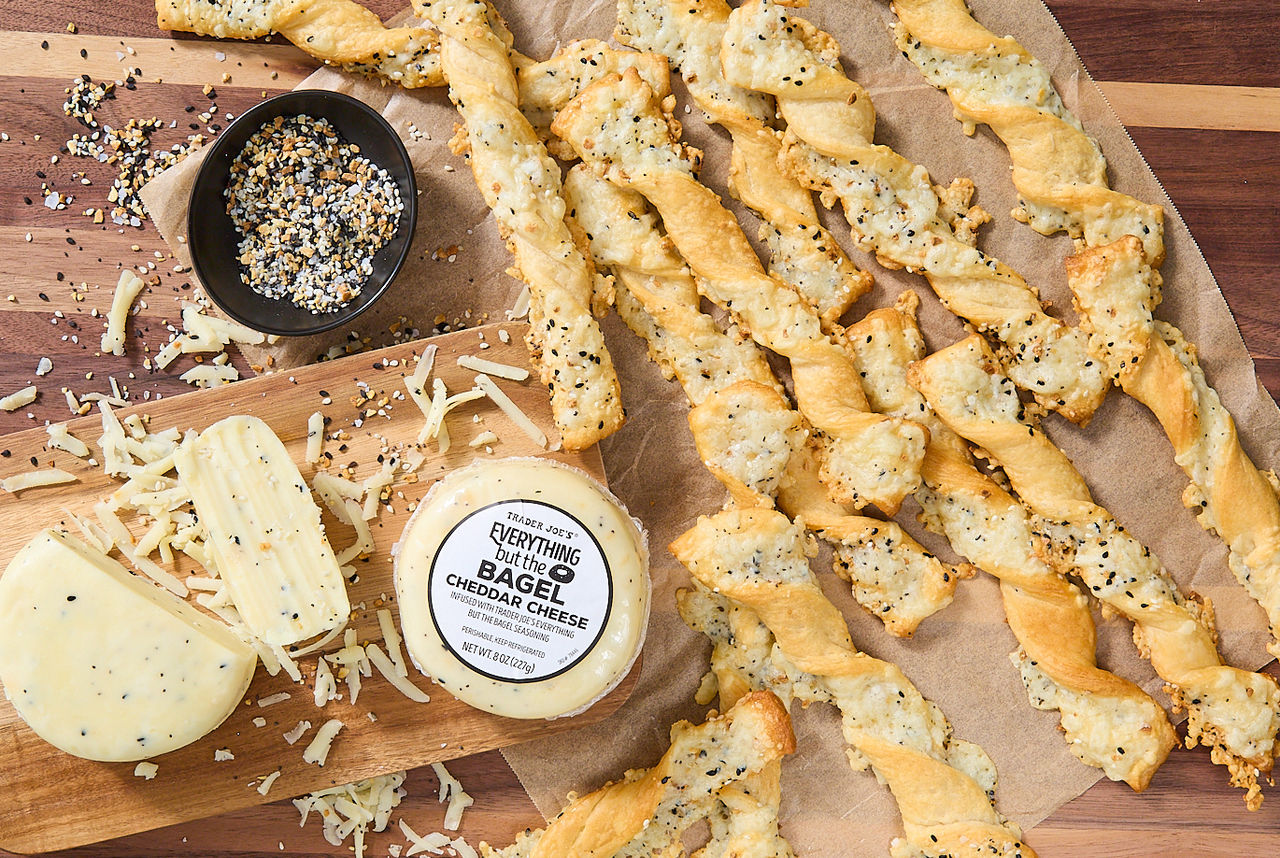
[{"x": 105, "y": 665}]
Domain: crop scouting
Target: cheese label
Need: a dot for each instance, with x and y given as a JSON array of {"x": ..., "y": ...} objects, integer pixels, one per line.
[{"x": 520, "y": 591}]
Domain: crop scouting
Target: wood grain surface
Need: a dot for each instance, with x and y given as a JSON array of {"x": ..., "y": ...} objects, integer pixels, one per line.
[
  {"x": 1197, "y": 84},
  {"x": 34, "y": 775}
]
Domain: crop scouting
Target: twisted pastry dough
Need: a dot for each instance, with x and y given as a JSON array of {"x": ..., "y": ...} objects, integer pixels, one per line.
[
  {"x": 1058, "y": 170},
  {"x": 1154, "y": 364},
  {"x": 1234, "y": 711},
  {"x": 645, "y": 813},
  {"x": 521, "y": 184},
  {"x": 892, "y": 207},
  {"x": 747, "y": 434},
  {"x": 549, "y": 85},
  {"x": 1060, "y": 175},
  {"x": 802, "y": 253},
  {"x": 1108, "y": 722},
  {"x": 340, "y": 32},
  {"x": 617, "y": 128},
  {"x": 655, "y": 293},
  {"x": 757, "y": 558}
]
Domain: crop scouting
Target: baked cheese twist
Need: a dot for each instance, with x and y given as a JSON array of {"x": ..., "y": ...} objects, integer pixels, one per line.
[
  {"x": 645, "y": 813},
  {"x": 1151, "y": 360},
  {"x": 1234, "y": 711},
  {"x": 1108, "y": 722},
  {"x": 756, "y": 558},
  {"x": 341, "y": 32},
  {"x": 550, "y": 84},
  {"x": 892, "y": 207},
  {"x": 746, "y": 432},
  {"x": 1058, "y": 170},
  {"x": 521, "y": 184},
  {"x": 1060, "y": 175},
  {"x": 618, "y": 128},
  {"x": 802, "y": 252}
]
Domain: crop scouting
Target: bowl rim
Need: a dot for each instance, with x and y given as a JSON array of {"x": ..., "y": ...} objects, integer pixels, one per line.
[{"x": 258, "y": 115}]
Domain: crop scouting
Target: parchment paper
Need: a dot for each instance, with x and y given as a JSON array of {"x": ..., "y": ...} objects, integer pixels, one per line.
[{"x": 959, "y": 657}]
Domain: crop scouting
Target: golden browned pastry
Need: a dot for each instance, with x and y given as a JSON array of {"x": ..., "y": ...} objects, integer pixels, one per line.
[
  {"x": 1153, "y": 363},
  {"x": 802, "y": 253},
  {"x": 521, "y": 184},
  {"x": 618, "y": 128},
  {"x": 654, "y": 291},
  {"x": 1058, "y": 170},
  {"x": 549, "y": 85},
  {"x": 892, "y": 207},
  {"x": 341, "y": 32},
  {"x": 1108, "y": 722},
  {"x": 746, "y": 432},
  {"x": 645, "y": 813},
  {"x": 1234, "y": 711},
  {"x": 1060, "y": 175},
  {"x": 756, "y": 558}
]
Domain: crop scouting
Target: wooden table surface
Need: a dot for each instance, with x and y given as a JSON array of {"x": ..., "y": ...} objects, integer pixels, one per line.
[{"x": 1197, "y": 84}]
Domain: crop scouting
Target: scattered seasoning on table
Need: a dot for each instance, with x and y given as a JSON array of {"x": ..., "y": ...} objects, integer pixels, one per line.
[
  {"x": 127, "y": 148},
  {"x": 312, "y": 212}
]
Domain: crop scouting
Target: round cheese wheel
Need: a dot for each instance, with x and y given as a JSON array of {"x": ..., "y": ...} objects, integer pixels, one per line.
[
  {"x": 105, "y": 665},
  {"x": 523, "y": 588}
]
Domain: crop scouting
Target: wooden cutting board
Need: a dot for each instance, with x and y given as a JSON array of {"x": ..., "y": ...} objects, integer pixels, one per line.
[{"x": 57, "y": 801}]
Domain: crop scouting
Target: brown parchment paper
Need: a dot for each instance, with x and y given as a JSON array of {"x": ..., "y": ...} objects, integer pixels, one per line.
[{"x": 959, "y": 658}]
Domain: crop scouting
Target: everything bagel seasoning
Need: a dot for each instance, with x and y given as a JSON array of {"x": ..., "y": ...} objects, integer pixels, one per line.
[{"x": 311, "y": 210}]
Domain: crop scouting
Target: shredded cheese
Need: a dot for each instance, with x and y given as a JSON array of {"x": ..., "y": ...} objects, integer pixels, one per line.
[
  {"x": 210, "y": 375},
  {"x": 392, "y": 639},
  {"x": 389, "y": 671},
  {"x": 127, "y": 289},
  {"x": 451, "y": 789},
  {"x": 36, "y": 479},
  {"x": 318, "y": 751},
  {"x": 351, "y": 809},
  {"x": 315, "y": 437},
  {"x": 145, "y": 769},
  {"x": 512, "y": 410},
  {"x": 265, "y": 786},
  {"x": 61, "y": 439},
  {"x": 273, "y": 699},
  {"x": 489, "y": 367},
  {"x": 19, "y": 398},
  {"x": 297, "y": 732}
]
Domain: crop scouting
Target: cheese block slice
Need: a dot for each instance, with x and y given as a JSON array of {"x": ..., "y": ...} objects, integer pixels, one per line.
[
  {"x": 264, "y": 529},
  {"x": 105, "y": 665},
  {"x": 523, "y": 587}
]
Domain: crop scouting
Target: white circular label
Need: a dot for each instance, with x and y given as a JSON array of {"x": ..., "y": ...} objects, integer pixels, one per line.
[{"x": 520, "y": 591}]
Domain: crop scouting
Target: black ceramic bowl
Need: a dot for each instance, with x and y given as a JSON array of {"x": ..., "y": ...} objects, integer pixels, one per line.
[{"x": 212, "y": 237}]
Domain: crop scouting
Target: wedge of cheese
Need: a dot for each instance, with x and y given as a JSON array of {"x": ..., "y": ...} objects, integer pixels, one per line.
[
  {"x": 264, "y": 530},
  {"x": 105, "y": 665}
]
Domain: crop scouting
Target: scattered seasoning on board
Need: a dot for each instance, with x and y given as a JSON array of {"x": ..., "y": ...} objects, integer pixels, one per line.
[{"x": 312, "y": 212}]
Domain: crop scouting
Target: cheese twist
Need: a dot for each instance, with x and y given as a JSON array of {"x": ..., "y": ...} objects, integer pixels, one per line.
[
  {"x": 746, "y": 432},
  {"x": 1234, "y": 711},
  {"x": 340, "y": 32},
  {"x": 756, "y": 558},
  {"x": 1058, "y": 170},
  {"x": 645, "y": 813},
  {"x": 1060, "y": 174},
  {"x": 617, "y": 127},
  {"x": 1108, "y": 722},
  {"x": 521, "y": 184},
  {"x": 892, "y": 207},
  {"x": 1153, "y": 363},
  {"x": 803, "y": 253}
]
